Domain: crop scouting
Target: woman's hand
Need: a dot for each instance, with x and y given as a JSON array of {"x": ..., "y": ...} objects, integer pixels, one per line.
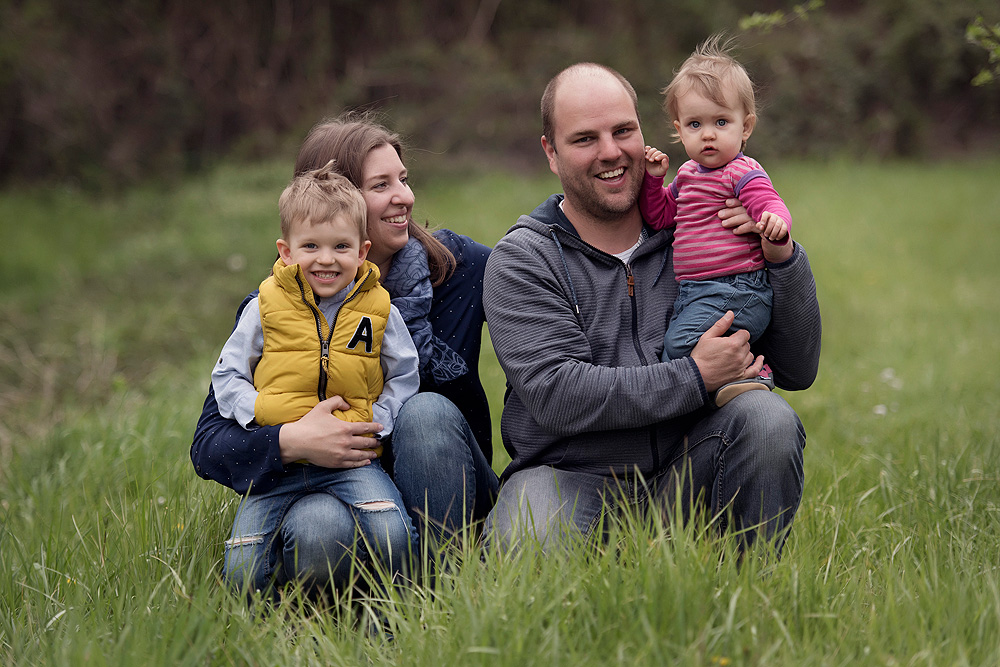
[
  {"x": 736, "y": 219},
  {"x": 324, "y": 440}
]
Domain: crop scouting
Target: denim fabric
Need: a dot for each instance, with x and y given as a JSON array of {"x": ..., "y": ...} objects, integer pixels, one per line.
[
  {"x": 700, "y": 304},
  {"x": 742, "y": 461},
  {"x": 443, "y": 476},
  {"x": 314, "y": 523}
]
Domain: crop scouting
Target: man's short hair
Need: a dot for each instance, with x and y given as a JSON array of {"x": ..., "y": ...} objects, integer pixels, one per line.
[
  {"x": 319, "y": 196},
  {"x": 549, "y": 96}
]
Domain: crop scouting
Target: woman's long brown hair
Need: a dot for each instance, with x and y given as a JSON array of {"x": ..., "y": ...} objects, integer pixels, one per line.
[{"x": 348, "y": 140}]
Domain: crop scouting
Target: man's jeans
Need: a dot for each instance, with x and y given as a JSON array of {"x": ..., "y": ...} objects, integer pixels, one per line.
[
  {"x": 742, "y": 461},
  {"x": 307, "y": 528},
  {"x": 445, "y": 480}
]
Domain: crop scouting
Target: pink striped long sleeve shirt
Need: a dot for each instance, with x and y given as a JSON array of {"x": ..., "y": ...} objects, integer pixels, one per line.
[{"x": 703, "y": 248}]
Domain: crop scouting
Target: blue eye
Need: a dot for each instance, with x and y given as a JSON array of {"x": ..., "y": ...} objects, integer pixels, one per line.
[
  {"x": 695, "y": 125},
  {"x": 721, "y": 122}
]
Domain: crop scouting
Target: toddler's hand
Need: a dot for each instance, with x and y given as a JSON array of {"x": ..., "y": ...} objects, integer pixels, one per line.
[
  {"x": 772, "y": 227},
  {"x": 656, "y": 162}
]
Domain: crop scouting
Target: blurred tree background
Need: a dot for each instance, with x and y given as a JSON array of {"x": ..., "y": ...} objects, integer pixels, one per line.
[{"x": 101, "y": 94}]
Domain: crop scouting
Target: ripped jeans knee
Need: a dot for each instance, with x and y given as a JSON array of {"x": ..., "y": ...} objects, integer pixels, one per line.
[
  {"x": 387, "y": 531},
  {"x": 318, "y": 524}
]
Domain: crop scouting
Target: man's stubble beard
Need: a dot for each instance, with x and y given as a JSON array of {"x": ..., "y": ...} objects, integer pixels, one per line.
[{"x": 604, "y": 209}]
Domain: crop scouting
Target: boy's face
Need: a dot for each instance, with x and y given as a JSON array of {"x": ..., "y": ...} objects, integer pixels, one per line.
[
  {"x": 712, "y": 134},
  {"x": 329, "y": 253}
]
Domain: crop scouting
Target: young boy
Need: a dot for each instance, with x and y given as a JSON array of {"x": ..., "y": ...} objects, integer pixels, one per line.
[
  {"x": 711, "y": 101},
  {"x": 321, "y": 326}
]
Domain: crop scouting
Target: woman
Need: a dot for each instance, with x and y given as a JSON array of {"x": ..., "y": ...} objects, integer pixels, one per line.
[{"x": 441, "y": 445}]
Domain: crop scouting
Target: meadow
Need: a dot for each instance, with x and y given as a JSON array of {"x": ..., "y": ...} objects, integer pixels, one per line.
[{"x": 112, "y": 309}]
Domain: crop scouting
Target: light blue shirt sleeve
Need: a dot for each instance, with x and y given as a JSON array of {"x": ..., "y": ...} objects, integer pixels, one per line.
[
  {"x": 400, "y": 372},
  {"x": 232, "y": 377}
]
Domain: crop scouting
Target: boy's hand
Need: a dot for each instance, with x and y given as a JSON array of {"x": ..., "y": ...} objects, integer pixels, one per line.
[
  {"x": 656, "y": 162},
  {"x": 772, "y": 227}
]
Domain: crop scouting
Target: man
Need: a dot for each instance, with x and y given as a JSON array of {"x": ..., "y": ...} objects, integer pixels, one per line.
[{"x": 577, "y": 297}]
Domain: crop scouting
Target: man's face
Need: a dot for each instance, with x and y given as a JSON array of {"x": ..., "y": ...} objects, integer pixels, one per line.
[{"x": 597, "y": 147}]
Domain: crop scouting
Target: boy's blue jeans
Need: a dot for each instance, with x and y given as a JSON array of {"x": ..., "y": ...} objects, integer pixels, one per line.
[
  {"x": 700, "y": 304},
  {"x": 741, "y": 463},
  {"x": 307, "y": 528}
]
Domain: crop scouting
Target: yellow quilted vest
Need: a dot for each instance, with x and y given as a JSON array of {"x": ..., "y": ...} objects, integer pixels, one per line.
[{"x": 306, "y": 359}]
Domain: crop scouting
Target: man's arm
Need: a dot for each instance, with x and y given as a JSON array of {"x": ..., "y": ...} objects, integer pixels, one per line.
[
  {"x": 791, "y": 344},
  {"x": 547, "y": 358}
]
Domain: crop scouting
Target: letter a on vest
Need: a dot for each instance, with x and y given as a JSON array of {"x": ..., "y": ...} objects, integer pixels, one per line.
[{"x": 365, "y": 333}]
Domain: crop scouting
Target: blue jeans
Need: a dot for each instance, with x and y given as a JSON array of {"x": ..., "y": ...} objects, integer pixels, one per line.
[
  {"x": 742, "y": 462},
  {"x": 313, "y": 525},
  {"x": 445, "y": 479},
  {"x": 700, "y": 304}
]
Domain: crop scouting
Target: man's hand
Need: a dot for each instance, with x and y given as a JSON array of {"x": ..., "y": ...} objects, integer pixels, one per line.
[
  {"x": 736, "y": 219},
  {"x": 324, "y": 440},
  {"x": 722, "y": 359}
]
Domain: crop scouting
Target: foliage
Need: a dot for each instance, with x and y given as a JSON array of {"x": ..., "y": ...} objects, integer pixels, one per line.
[
  {"x": 988, "y": 37},
  {"x": 103, "y": 94},
  {"x": 879, "y": 79},
  {"x": 110, "y": 544},
  {"x": 766, "y": 22}
]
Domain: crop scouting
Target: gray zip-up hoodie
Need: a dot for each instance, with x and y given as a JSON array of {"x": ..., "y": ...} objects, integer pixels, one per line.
[{"x": 579, "y": 334}]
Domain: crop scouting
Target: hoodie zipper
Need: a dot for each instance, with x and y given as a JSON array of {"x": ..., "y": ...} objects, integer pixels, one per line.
[{"x": 630, "y": 284}]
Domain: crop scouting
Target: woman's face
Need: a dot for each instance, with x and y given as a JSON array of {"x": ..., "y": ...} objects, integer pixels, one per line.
[{"x": 390, "y": 203}]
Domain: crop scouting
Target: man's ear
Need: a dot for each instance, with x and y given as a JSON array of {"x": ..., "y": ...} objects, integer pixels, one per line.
[{"x": 550, "y": 153}]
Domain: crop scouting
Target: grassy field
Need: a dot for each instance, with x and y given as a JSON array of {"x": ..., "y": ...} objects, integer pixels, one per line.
[{"x": 111, "y": 311}]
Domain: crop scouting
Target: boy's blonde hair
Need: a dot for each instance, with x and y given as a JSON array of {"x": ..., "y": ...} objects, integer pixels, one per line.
[
  {"x": 319, "y": 196},
  {"x": 710, "y": 71}
]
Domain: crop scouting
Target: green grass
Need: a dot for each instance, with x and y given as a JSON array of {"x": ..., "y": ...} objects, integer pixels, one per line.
[{"x": 111, "y": 311}]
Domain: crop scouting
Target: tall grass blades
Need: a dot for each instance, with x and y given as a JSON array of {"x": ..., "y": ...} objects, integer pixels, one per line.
[{"x": 110, "y": 545}]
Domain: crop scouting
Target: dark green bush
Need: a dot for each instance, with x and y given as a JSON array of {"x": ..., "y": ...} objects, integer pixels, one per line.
[{"x": 107, "y": 93}]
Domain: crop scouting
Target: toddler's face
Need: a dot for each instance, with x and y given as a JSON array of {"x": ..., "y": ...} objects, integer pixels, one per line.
[
  {"x": 328, "y": 252},
  {"x": 712, "y": 134}
]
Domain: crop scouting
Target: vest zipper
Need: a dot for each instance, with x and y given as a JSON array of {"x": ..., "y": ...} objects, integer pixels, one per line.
[{"x": 324, "y": 345}]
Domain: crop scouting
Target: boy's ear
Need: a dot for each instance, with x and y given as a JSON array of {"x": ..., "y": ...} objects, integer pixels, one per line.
[
  {"x": 749, "y": 123},
  {"x": 363, "y": 253},
  {"x": 284, "y": 250}
]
